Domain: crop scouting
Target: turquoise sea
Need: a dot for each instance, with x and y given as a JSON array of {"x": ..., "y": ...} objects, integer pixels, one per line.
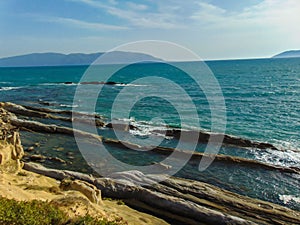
[{"x": 262, "y": 99}]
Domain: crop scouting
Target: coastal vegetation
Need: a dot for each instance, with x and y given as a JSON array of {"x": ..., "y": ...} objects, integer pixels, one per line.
[{"x": 39, "y": 212}]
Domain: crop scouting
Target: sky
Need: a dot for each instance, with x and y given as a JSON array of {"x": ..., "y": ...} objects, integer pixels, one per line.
[{"x": 214, "y": 29}]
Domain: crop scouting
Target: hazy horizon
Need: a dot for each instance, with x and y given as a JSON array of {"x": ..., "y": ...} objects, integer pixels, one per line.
[
  {"x": 52, "y": 52},
  {"x": 213, "y": 29}
]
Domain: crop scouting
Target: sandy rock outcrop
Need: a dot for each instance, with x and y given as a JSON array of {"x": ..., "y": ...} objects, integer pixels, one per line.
[
  {"x": 89, "y": 190},
  {"x": 11, "y": 150}
]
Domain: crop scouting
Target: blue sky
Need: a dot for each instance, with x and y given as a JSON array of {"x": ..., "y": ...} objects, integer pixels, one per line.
[{"x": 214, "y": 29}]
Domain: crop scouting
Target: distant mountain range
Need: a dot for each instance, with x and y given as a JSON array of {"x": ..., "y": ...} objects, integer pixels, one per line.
[
  {"x": 58, "y": 59},
  {"x": 288, "y": 54},
  {"x": 116, "y": 57}
]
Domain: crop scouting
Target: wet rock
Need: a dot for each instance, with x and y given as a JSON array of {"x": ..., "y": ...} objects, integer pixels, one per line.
[
  {"x": 30, "y": 149},
  {"x": 65, "y": 112},
  {"x": 89, "y": 121},
  {"x": 37, "y": 144},
  {"x": 21, "y": 110},
  {"x": 38, "y": 157},
  {"x": 68, "y": 82},
  {"x": 45, "y": 103},
  {"x": 100, "y": 82},
  {"x": 161, "y": 166},
  {"x": 121, "y": 126},
  {"x": 59, "y": 149},
  {"x": 40, "y": 127},
  {"x": 57, "y": 159},
  {"x": 70, "y": 157},
  {"x": 204, "y": 137}
]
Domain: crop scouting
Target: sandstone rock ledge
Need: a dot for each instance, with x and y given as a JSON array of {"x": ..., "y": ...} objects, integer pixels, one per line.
[{"x": 75, "y": 197}]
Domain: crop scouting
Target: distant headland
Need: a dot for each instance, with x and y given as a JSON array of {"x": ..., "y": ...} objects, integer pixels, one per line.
[
  {"x": 80, "y": 59},
  {"x": 288, "y": 54},
  {"x": 74, "y": 59}
]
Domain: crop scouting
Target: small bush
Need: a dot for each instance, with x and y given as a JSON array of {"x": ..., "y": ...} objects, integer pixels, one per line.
[
  {"x": 42, "y": 213},
  {"x": 120, "y": 202},
  {"x": 30, "y": 213}
]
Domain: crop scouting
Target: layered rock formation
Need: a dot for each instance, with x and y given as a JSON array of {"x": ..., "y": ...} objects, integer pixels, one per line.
[
  {"x": 180, "y": 200},
  {"x": 203, "y": 137},
  {"x": 11, "y": 150}
]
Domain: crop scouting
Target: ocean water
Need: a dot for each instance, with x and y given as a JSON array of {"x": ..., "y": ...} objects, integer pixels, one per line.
[{"x": 262, "y": 102}]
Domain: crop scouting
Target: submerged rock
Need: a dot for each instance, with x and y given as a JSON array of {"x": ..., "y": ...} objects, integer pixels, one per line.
[
  {"x": 161, "y": 165},
  {"x": 30, "y": 149},
  {"x": 101, "y": 82},
  {"x": 37, "y": 144},
  {"x": 57, "y": 159},
  {"x": 38, "y": 158},
  {"x": 204, "y": 137},
  {"x": 121, "y": 126}
]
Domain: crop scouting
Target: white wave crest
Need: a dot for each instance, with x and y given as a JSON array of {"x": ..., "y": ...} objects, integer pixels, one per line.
[
  {"x": 9, "y": 88},
  {"x": 288, "y": 198},
  {"x": 286, "y": 158}
]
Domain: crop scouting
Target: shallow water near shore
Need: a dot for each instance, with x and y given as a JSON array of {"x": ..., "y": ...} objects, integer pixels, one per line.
[
  {"x": 262, "y": 102},
  {"x": 252, "y": 181}
]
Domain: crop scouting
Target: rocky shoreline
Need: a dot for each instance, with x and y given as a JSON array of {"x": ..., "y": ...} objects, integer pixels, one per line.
[
  {"x": 176, "y": 200},
  {"x": 203, "y": 137},
  {"x": 185, "y": 201},
  {"x": 30, "y": 125}
]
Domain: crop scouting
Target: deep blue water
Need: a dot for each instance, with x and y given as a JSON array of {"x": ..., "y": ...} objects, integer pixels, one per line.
[{"x": 262, "y": 99}]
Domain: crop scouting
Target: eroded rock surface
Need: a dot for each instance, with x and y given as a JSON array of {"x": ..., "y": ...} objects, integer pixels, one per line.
[
  {"x": 181, "y": 200},
  {"x": 11, "y": 150},
  {"x": 89, "y": 190}
]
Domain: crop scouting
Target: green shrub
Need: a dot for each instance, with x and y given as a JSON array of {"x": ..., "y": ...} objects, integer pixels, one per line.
[
  {"x": 42, "y": 213},
  {"x": 30, "y": 213}
]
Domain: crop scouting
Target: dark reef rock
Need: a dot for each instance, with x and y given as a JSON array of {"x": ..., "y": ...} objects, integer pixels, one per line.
[
  {"x": 204, "y": 137},
  {"x": 100, "y": 82},
  {"x": 121, "y": 126},
  {"x": 38, "y": 158}
]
